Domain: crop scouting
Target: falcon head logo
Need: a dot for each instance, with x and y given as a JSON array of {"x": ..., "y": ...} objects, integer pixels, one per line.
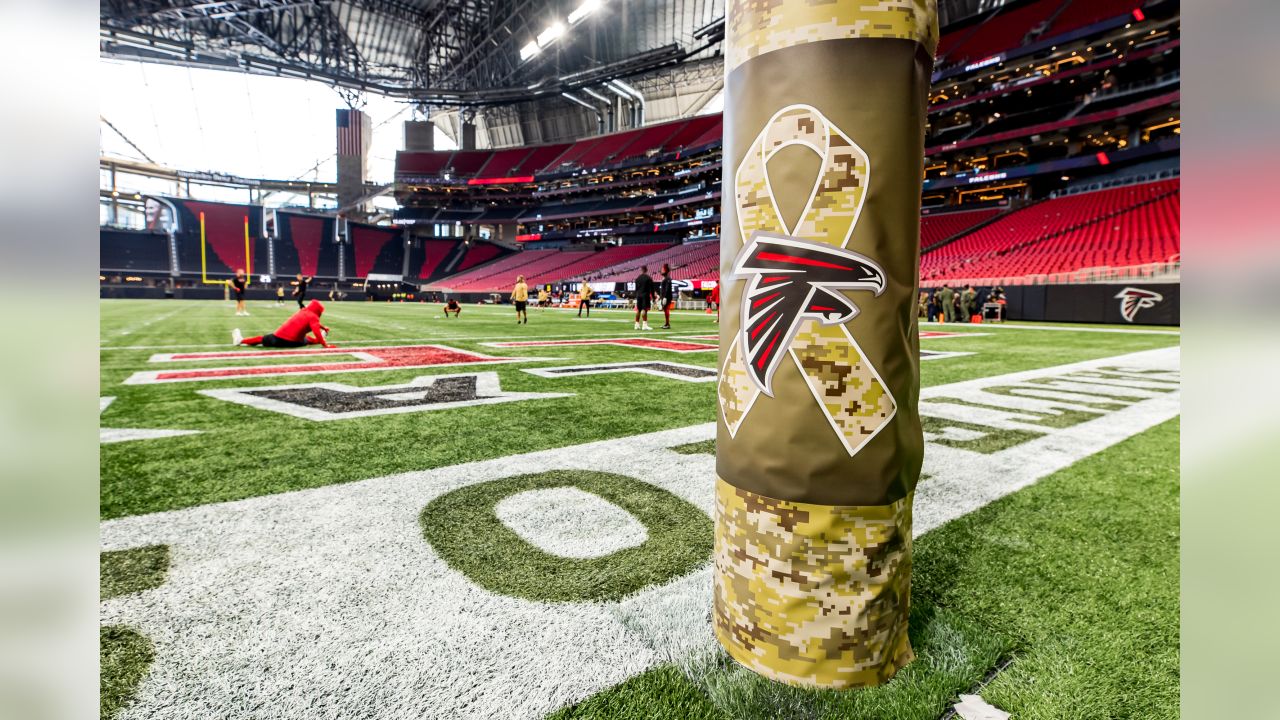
[
  {"x": 791, "y": 279},
  {"x": 1134, "y": 299}
]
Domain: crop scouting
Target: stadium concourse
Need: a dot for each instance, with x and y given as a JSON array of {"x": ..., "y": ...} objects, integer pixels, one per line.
[{"x": 453, "y": 515}]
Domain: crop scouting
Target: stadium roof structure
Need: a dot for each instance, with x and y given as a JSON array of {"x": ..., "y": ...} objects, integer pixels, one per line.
[
  {"x": 450, "y": 53},
  {"x": 438, "y": 52}
]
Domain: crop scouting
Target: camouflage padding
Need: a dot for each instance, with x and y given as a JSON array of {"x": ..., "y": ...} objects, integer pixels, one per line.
[
  {"x": 848, "y": 388},
  {"x": 736, "y": 391},
  {"x": 814, "y": 595},
  {"x": 829, "y": 216},
  {"x": 840, "y": 188},
  {"x": 756, "y": 27}
]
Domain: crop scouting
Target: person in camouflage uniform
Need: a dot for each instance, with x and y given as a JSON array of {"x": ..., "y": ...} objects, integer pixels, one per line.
[
  {"x": 947, "y": 299},
  {"x": 819, "y": 442},
  {"x": 968, "y": 300}
]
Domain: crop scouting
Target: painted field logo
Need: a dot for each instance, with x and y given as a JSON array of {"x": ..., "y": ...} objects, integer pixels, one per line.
[
  {"x": 336, "y": 401},
  {"x": 1134, "y": 299},
  {"x": 364, "y": 359}
]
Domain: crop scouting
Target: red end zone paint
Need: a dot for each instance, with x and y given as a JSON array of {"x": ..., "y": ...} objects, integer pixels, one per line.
[
  {"x": 365, "y": 359},
  {"x": 646, "y": 343},
  {"x": 926, "y": 334}
]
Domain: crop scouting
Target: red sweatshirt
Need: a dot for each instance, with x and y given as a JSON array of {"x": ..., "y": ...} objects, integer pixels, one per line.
[{"x": 295, "y": 328}]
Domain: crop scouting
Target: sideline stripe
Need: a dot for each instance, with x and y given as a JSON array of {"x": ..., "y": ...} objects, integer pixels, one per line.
[{"x": 1058, "y": 328}]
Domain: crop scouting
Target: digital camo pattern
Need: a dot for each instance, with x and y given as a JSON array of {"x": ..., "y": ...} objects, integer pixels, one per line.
[
  {"x": 736, "y": 391},
  {"x": 840, "y": 189},
  {"x": 809, "y": 594},
  {"x": 829, "y": 216},
  {"x": 848, "y": 388},
  {"x": 756, "y": 27}
]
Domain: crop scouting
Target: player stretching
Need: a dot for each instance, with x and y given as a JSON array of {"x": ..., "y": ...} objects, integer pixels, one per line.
[
  {"x": 293, "y": 333},
  {"x": 666, "y": 296},
  {"x": 644, "y": 296},
  {"x": 452, "y": 307},
  {"x": 520, "y": 296},
  {"x": 238, "y": 284}
]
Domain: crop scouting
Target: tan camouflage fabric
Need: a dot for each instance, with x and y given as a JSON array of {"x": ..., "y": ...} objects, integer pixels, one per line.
[
  {"x": 756, "y": 27},
  {"x": 829, "y": 216},
  {"x": 813, "y": 595},
  {"x": 736, "y": 390},
  {"x": 843, "y": 382}
]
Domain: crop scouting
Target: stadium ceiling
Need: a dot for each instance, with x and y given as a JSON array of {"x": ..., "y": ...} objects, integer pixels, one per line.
[{"x": 448, "y": 53}]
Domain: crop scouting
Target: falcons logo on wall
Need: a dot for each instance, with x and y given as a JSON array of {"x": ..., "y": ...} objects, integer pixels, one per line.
[
  {"x": 1134, "y": 299},
  {"x": 792, "y": 279}
]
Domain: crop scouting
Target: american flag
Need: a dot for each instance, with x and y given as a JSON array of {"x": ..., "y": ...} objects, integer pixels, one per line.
[{"x": 350, "y": 127}]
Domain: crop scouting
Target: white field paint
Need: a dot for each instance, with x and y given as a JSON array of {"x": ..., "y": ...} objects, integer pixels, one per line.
[
  {"x": 570, "y": 523},
  {"x": 115, "y": 435},
  {"x": 328, "y": 603}
]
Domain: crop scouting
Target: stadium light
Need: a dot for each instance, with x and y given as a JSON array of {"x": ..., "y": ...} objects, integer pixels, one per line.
[
  {"x": 529, "y": 50},
  {"x": 586, "y": 8},
  {"x": 553, "y": 31}
]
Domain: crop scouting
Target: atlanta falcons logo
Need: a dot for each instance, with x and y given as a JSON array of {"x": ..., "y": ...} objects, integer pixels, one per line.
[
  {"x": 792, "y": 279},
  {"x": 1134, "y": 299}
]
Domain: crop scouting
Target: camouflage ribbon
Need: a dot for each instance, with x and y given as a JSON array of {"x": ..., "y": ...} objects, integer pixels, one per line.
[{"x": 844, "y": 384}]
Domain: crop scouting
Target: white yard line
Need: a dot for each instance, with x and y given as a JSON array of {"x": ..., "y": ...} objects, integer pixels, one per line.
[{"x": 328, "y": 603}]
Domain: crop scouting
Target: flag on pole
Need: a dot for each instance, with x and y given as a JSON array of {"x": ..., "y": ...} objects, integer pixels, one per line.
[{"x": 819, "y": 443}]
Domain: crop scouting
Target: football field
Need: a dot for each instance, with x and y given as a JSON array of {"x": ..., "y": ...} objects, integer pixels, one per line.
[{"x": 469, "y": 518}]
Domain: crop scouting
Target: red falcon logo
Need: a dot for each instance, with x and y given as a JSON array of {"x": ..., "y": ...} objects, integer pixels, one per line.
[
  {"x": 1134, "y": 299},
  {"x": 794, "y": 279}
]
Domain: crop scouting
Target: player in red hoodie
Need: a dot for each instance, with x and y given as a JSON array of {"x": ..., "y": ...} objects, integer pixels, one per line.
[{"x": 293, "y": 333}]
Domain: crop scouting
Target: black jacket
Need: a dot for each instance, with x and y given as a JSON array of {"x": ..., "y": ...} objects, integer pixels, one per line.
[{"x": 644, "y": 285}]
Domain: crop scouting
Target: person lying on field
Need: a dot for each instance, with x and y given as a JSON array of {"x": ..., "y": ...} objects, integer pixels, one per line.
[{"x": 293, "y": 333}]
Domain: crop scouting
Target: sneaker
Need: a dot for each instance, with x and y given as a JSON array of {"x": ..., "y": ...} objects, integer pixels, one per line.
[
  {"x": 666, "y": 327},
  {"x": 646, "y": 326},
  {"x": 236, "y": 337},
  {"x": 637, "y": 326}
]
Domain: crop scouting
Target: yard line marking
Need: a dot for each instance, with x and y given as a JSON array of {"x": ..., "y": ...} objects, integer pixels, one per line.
[{"x": 288, "y": 601}]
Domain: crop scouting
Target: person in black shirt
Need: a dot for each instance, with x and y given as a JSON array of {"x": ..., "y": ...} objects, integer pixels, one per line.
[
  {"x": 300, "y": 291},
  {"x": 238, "y": 284},
  {"x": 644, "y": 296},
  {"x": 666, "y": 296}
]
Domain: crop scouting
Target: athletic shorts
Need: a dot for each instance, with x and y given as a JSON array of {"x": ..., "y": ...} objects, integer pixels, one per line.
[
  {"x": 521, "y": 305},
  {"x": 239, "y": 294},
  {"x": 668, "y": 304},
  {"x": 642, "y": 303},
  {"x": 269, "y": 340}
]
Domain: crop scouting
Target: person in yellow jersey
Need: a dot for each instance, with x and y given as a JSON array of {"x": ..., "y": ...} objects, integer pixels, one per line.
[
  {"x": 584, "y": 299},
  {"x": 544, "y": 298},
  {"x": 520, "y": 297}
]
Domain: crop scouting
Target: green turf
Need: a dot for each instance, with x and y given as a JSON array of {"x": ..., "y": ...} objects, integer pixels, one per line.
[
  {"x": 1075, "y": 578},
  {"x": 704, "y": 447},
  {"x": 464, "y": 530},
  {"x": 245, "y": 452},
  {"x": 664, "y": 693},
  {"x": 122, "y": 572},
  {"x": 124, "y": 656}
]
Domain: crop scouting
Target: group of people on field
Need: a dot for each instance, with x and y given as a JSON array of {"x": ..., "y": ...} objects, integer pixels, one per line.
[
  {"x": 240, "y": 283},
  {"x": 646, "y": 292},
  {"x": 948, "y": 305}
]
